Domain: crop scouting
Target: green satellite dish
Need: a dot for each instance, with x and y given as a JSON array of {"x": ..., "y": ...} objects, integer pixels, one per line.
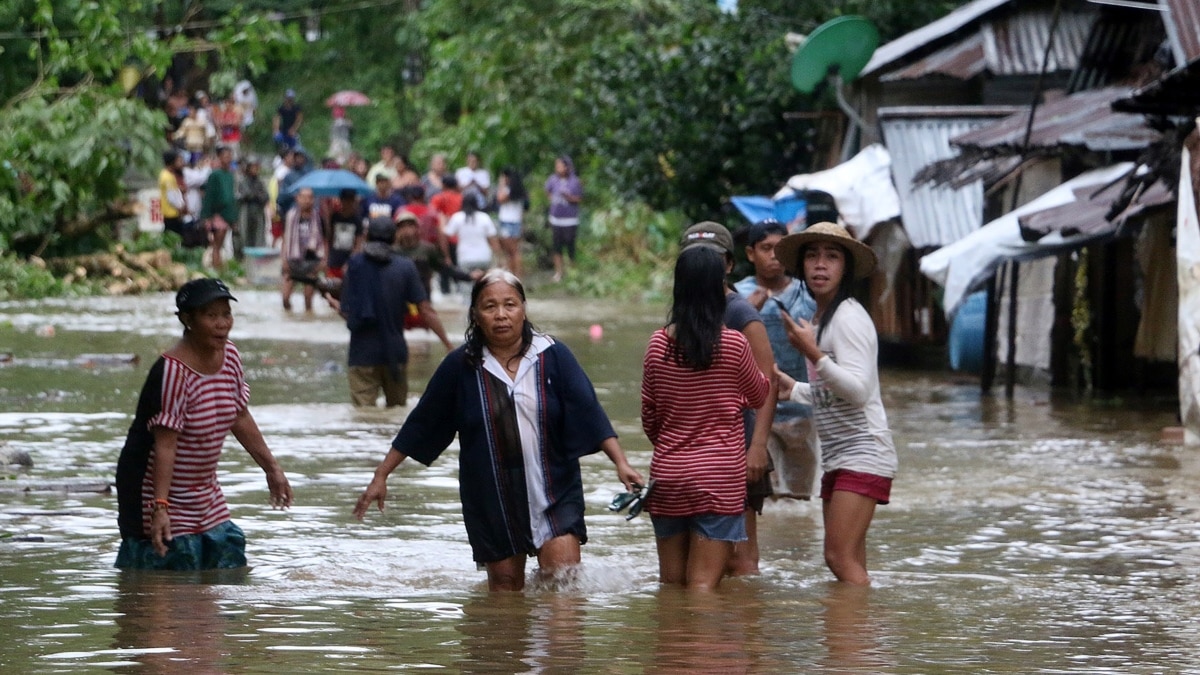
[{"x": 838, "y": 48}]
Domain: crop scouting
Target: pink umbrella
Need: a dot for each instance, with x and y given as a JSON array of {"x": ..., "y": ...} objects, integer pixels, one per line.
[{"x": 347, "y": 99}]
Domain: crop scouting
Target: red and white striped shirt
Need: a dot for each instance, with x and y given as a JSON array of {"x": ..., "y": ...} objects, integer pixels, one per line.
[
  {"x": 202, "y": 408},
  {"x": 694, "y": 420}
]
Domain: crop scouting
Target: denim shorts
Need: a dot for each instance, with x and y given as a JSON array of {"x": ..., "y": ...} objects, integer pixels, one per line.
[
  {"x": 707, "y": 525},
  {"x": 221, "y": 547},
  {"x": 509, "y": 230}
]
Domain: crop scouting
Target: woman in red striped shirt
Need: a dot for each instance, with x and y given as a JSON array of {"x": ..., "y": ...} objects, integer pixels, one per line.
[
  {"x": 698, "y": 377},
  {"x": 171, "y": 511}
]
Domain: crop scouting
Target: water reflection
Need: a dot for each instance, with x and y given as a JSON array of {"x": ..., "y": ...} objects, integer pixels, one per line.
[
  {"x": 853, "y": 635},
  {"x": 521, "y": 633},
  {"x": 1037, "y": 534},
  {"x": 173, "y": 622}
]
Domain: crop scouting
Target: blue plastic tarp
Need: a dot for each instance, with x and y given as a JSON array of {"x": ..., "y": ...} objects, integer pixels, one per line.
[{"x": 789, "y": 210}]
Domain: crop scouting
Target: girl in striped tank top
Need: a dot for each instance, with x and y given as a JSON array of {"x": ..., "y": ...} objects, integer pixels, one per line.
[{"x": 697, "y": 378}]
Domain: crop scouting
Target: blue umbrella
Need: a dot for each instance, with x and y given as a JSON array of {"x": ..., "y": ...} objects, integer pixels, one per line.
[{"x": 330, "y": 182}]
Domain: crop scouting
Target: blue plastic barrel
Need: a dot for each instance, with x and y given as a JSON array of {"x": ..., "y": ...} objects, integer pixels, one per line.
[{"x": 966, "y": 334}]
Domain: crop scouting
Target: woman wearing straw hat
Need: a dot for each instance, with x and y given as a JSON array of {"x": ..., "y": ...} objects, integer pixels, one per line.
[{"x": 841, "y": 348}]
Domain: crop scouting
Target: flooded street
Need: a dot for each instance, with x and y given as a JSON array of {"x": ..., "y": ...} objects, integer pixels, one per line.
[{"x": 1025, "y": 536}]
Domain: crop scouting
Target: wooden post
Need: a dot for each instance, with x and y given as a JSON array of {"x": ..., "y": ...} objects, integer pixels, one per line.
[{"x": 1010, "y": 378}]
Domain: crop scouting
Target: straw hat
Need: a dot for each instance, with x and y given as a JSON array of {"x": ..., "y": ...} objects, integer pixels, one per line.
[{"x": 787, "y": 251}]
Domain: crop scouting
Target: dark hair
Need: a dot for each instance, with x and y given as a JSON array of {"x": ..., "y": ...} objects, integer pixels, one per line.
[
  {"x": 347, "y": 194},
  {"x": 763, "y": 229},
  {"x": 473, "y": 339},
  {"x": 698, "y": 307},
  {"x": 472, "y": 202},
  {"x": 413, "y": 193},
  {"x": 450, "y": 183},
  {"x": 169, "y": 157},
  {"x": 516, "y": 186},
  {"x": 845, "y": 287}
]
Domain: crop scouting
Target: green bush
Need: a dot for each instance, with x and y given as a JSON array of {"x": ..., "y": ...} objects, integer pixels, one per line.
[{"x": 627, "y": 251}]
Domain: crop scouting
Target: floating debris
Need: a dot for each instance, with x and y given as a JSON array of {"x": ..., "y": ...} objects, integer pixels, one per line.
[{"x": 14, "y": 456}]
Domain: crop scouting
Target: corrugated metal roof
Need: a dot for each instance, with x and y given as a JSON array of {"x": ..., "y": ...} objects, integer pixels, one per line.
[
  {"x": 1176, "y": 93},
  {"x": 1088, "y": 214},
  {"x": 916, "y": 137},
  {"x": 962, "y": 60},
  {"x": 1184, "y": 18},
  {"x": 1015, "y": 44},
  {"x": 910, "y": 42},
  {"x": 1084, "y": 119},
  {"x": 1122, "y": 41},
  {"x": 1008, "y": 45}
]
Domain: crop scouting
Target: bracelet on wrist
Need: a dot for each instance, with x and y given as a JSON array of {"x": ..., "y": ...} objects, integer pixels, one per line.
[{"x": 160, "y": 505}]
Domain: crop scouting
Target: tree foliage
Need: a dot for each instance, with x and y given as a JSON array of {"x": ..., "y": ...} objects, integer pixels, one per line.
[
  {"x": 668, "y": 102},
  {"x": 69, "y": 132},
  {"x": 691, "y": 113}
]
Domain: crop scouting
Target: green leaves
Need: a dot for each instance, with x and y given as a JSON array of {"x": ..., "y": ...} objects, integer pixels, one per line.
[
  {"x": 68, "y": 155},
  {"x": 66, "y": 127}
]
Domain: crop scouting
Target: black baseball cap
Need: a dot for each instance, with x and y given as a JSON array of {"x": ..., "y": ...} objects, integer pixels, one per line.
[
  {"x": 199, "y": 292},
  {"x": 381, "y": 228}
]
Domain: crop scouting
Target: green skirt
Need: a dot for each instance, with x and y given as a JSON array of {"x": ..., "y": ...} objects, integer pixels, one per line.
[{"x": 222, "y": 547}]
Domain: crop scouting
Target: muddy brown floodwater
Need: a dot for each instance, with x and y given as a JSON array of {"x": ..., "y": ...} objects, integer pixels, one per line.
[{"x": 1025, "y": 536}]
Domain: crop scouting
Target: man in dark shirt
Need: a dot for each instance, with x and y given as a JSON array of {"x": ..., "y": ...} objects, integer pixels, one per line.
[
  {"x": 288, "y": 119},
  {"x": 345, "y": 234},
  {"x": 384, "y": 203},
  {"x": 378, "y": 289}
]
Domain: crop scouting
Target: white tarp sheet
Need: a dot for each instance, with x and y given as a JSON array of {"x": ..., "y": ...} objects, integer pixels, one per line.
[
  {"x": 965, "y": 265},
  {"x": 1187, "y": 258},
  {"x": 861, "y": 186}
]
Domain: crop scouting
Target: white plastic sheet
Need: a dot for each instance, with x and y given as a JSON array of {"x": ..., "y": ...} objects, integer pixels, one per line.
[
  {"x": 1187, "y": 257},
  {"x": 861, "y": 187},
  {"x": 964, "y": 266}
]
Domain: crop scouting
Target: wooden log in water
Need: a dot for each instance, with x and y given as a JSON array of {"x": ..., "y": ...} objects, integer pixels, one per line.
[
  {"x": 64, "y": 485},
  {"x": 95, "y": 360},
  {"x": 122, "y": 272}
]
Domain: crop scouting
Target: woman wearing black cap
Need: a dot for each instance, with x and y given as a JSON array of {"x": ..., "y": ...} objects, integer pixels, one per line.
[{"x": 171, "y": 511}]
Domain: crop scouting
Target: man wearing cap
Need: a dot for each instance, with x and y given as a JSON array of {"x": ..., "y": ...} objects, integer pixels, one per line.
[
  {"x": 793, "y": 444},
  {"x": 378, "y": 288},
  {"x": 426, "y": 256},
  {"x": 285, "y": 128},
  {"x": 741, "y": 316}
]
